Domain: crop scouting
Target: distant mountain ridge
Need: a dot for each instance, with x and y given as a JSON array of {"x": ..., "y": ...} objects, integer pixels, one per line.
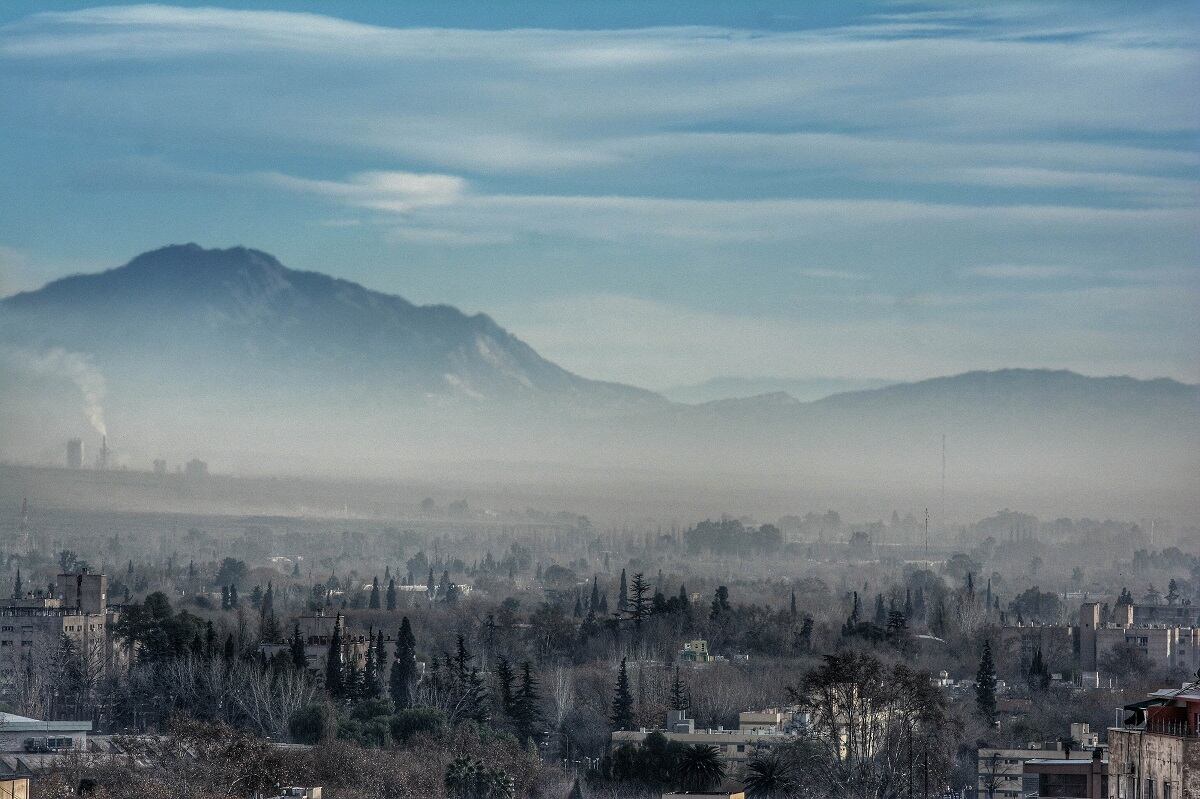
[{"x": 229, "y": 355}]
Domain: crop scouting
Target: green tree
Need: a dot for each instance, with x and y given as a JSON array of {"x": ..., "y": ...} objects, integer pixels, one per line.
[
  {"x": 403, "y": 676},
  {"x": 526, "y": 711},
  {"x": 985, "y": 685},
  {"x": 299, "y": 658},
  {"x": 622, "y": 704},
  {"x": 679, "y": 693},
  {"x": 769, "y": 777},
  {"x": 374, "y": 602},
  {"x": 700, "y": 768},
  {"x": 391, "y": 594}
]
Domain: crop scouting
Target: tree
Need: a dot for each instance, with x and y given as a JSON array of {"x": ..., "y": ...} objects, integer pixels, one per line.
[
  {"x": 720, "y": 602},
  {"x": 622, "y": 704},
  {"x": 471, "y": 779},
  {"x": 404, "y": 668},
  {"x": 638, "y": 603},
  {"x": 526, "y": 711},
  {"x": 505, "y": 680},
  {"x": 17, "y": 588},
  {"x": 700, "y": 768},
  {"x": 374, "y": 602},
  {"x": 623, "y": 594},
  {"x": 679, "y": 693},
  {"x": 769, "y": 777},
  {"x": 391, "y": 594},
  {"x": 985, "y": 685},
  {"x": 1125, "y": 660},
  {"x": 299, "y": 658},
  {"x": 334, "y": 671}
]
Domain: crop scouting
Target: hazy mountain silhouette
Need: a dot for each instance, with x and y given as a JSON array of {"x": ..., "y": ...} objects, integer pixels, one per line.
[
  {"x": 238, "y": 313},
  {"x": 230, "y": 355}
]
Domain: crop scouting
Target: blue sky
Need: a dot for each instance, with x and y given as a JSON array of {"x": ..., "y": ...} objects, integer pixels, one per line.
[{"x": 652, "y": 193}]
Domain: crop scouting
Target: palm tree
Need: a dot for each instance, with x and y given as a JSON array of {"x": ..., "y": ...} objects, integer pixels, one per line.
[
  {"x": 700, "y": 768},
  {"x": 769, "y": 777}
]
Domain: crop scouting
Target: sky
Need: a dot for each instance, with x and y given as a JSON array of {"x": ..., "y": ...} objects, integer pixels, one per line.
[{"x": 654, "y": 193}]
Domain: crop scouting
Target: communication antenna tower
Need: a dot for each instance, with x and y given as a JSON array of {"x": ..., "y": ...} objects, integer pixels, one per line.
[{"x": 927, "y": 536}]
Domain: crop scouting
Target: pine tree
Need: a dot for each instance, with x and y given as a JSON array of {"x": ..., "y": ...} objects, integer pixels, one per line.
[
  {"x": 793, "y": 605},
  {"x": 622, "y": 704},
  {"x": 299, "y": 657},
  {"x": 806, "y": 631},
  {"x": 985, "y": 685},
  {"x": 404, "y": 667},
  {"x": 594, "y": 601},
  {"x": 578, "y": 611},
  {"x": 17, "y": 588},
  {"x": 526, "y": 712},
  {"x": 637, "y": 602},
  {"x": 225, "y": 598},
  {"x": 234, "y": 601},
  {"x": 684, "y": 601},
  {"x": 623, "y": 594},
  {"x": 604, "y": 604},
  {"x": 374, "y": 602},
  {"x": 504, "y": 686},
  {"x": 679, "y": 693},
  {"x": 391, "y": 594},
  {"x": 210, "y": 640},
  {"x": 880, "y": 612}
]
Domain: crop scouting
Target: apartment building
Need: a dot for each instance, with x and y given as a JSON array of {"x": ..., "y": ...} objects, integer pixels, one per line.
[{"x": 1154, "y": 751}]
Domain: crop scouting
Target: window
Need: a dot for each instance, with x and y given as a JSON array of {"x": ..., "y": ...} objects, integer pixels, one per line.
[
  {"x": 1166, "y": 790},
  {"x": 1149, "y": 788}
]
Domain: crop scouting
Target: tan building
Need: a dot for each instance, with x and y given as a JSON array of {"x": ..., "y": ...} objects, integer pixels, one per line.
[
  {"x": 1001, "y": 771},
  {"x": 1166, "y": 643},
  {"x": 32, "y": 627},
  {"x": 734, "y": 746}
]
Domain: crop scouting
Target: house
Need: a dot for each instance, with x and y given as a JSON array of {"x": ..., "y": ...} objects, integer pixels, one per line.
[
  {"x": 695, "y": 652},
  {"x": 1154, "y": 751}
]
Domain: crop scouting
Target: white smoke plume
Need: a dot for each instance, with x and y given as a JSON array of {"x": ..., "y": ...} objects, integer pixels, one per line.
[{"x": 74, "y": 366}]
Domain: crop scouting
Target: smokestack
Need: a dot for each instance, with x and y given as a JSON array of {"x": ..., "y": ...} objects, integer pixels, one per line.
[{"x": 103, "y": 461}]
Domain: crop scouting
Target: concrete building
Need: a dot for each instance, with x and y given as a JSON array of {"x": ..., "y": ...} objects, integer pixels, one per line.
[
  {"x": 32, "y": 627},
  {"x": 754, "y": 734},
  {"x": 1070, "y": 778},
  {"x": 21, "y": 734},
  {"x": 1165, "y": 634},
  {"x": 1154, "y": 752},
  {"x": 1002, "y": 773},
  {"x": 1021, "y": 642}
]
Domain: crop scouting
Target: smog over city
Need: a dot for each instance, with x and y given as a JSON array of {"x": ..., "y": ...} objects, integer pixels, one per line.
[{"x": 490, "y": 401}]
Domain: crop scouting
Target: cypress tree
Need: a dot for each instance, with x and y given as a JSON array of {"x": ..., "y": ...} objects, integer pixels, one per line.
[
  {"x": 404, "y": 667},
  {"x": 299, "y": 658},
  {"x": 17, "y": 585},
  {"x": 334, "y": 675},
  {"x": 679, "y": 693},
  {"x": 985, "y": 685},
  {"x": 391, "y": 594},
  {"x": 210, "y": 639},
  {"x": 594, "y": 601},
  {"x": 622, "y": 594},
  {"x": 622, "y": 704},
  {"x": 880, "y": 611},
  {"x": 793, "y": 606},
  {"x": 374, "y": 602}
]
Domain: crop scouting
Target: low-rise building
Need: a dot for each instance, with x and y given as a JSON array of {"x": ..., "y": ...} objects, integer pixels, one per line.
[
  {"x": 1070, "y": 778},
  {"x": 1001, "y": 771},
  {"x": 754, "y": 734},
  {"x": 1154, "y": 751},
  {"x": 22, "y": 734}
]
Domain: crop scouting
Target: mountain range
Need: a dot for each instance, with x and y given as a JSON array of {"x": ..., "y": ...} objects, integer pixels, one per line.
[{"x": 228, "y": 354}]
